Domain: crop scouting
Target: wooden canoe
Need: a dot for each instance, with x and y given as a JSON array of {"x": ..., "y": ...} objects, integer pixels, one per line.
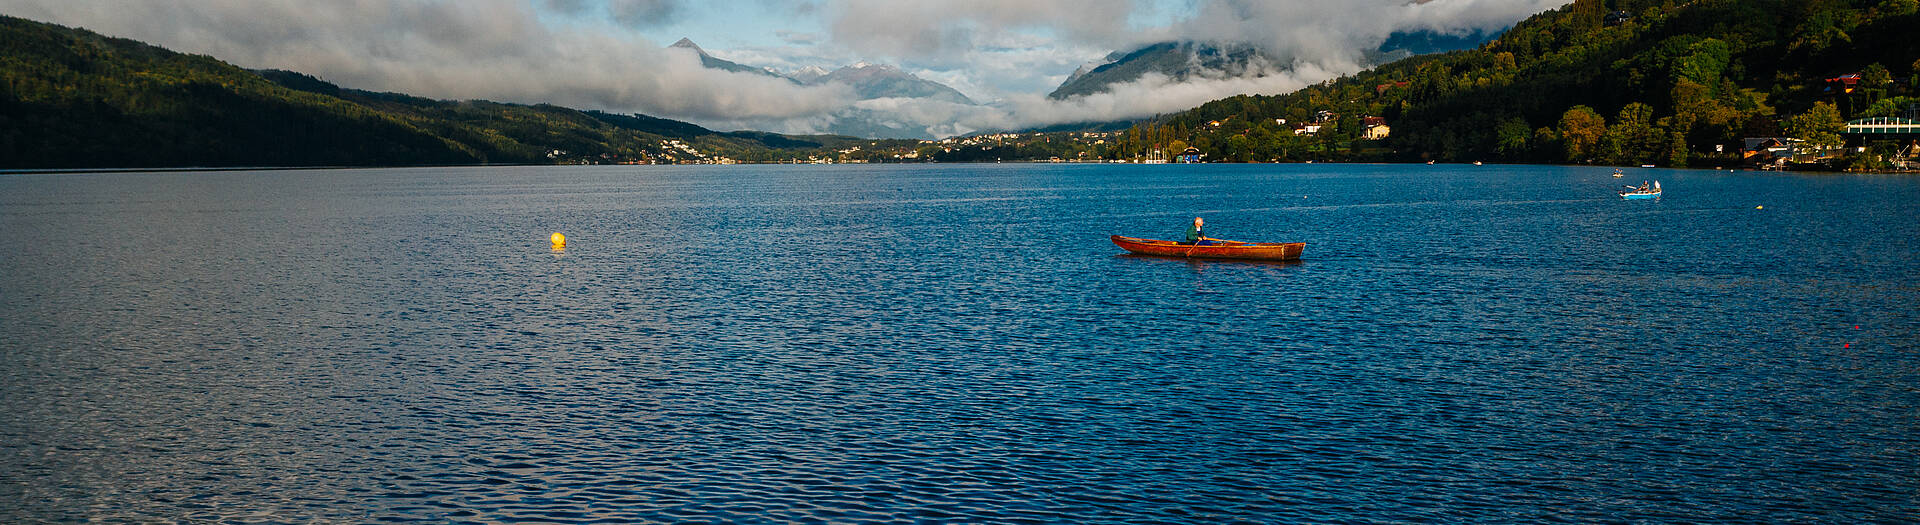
[{"x": 1219, "y": 249}]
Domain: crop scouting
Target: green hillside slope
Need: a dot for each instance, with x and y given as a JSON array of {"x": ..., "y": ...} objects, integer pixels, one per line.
[{"x": 1621, "y": 81}]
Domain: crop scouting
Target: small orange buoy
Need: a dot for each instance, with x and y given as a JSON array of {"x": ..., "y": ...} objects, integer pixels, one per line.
[
  {"x": 559, "y": 241},
  {"x": 1759, "y": 207}
]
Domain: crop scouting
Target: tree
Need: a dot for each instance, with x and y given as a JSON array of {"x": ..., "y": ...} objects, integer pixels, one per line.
[
  {"x": 1580, "y": 132},
  {"x": 1691, "y": 102},
  {"x": 1875, "y": 76},
  {"x": 1913, "y": 80},
  {"x": 1874, "y": 81},
  {"x": 1820, "y": 126},
  {"x": 1586, "y": 15},
  {"x": 1889, "y": 107},
  {"x": 1504, "y": 61},
  {"x": 1704, "y": 62},
  {"x": 1240, "y": 148},
  {"x": 1510, "y": 138},
  {"x": 1677, "y": 151},
  {"x": 1545, "y": 142},
  {"x": 1821, "y": 29},
  {"x": 1633, "y": 138},
  {"x": 1175, "y": 148}
]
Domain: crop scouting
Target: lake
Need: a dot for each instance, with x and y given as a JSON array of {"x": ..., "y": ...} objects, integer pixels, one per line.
[{"x": 958, "y": 343}]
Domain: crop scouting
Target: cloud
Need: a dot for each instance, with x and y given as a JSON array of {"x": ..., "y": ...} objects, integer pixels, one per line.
[
  {"x": 1310, "y": 29},
  {"x": 1035, "y": 44},
  {"x": 572, "y": 7},
  {"x": 491, "y": 49},
  {"x": 643, "y": 13},
  {"x": 1339, "y": 32},
  {"x": 798, "y": 38},
  {"x": 588, "y": 53},
  {"x": 946, "y": 31},
  {"x": 1152, "y": 94}
]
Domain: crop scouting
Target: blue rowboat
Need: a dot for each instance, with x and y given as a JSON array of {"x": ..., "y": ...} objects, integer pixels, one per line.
[{"x": 1635, "y": 193}]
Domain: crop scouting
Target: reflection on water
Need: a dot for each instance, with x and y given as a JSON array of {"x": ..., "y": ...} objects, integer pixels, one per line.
[
  {"x": 1201, "y": 262},
  {"x": 956, "y": 343}
]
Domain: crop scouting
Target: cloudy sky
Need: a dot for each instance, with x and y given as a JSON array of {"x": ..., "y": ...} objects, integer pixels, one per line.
[{"x": 610, "y": 54}]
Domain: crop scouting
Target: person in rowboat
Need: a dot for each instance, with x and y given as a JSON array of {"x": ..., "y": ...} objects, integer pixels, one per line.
[{"x": 1194, "y": 236}]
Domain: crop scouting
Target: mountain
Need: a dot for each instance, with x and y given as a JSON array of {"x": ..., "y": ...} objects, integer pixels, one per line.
[
  {"x": 868, "y": 82},
  {"x": 809, "y": 74},
  {"x": 874, "y": 81},
  {"x": 1176, "y": 60},
  {"x": 1181, "y": 60},
  {"x": 1413, "y": 43},
  {"x": 722, "y": 64},
  {"x": 871, "y": 81},
  {"x": 71, "y": 98},
  {"x": 1672, "y": 84}
]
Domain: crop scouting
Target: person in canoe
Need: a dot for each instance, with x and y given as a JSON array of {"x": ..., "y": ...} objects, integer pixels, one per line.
[{"x": 1194, "y": 237}]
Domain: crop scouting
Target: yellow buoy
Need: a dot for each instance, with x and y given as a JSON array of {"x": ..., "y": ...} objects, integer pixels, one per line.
[
  {"x": 1759, "y": 207},
  {"x": 559, "y": 241}
]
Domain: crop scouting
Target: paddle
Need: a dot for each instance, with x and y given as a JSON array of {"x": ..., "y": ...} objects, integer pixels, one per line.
[{"x": 1196, "y": 246}]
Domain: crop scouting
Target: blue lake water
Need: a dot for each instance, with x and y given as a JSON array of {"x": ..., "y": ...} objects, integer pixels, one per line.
[{"x": 957, "y": 343}]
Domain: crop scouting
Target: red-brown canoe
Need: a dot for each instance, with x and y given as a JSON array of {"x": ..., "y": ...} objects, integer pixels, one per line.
[{"x": 1219, "y": 249}]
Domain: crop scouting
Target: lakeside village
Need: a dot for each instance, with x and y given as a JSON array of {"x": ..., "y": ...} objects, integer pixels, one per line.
[
  {"x": 1148, "y": 144},
  {"x": 1142, "y": 144},
  {"x": 1891, "y": 143}
]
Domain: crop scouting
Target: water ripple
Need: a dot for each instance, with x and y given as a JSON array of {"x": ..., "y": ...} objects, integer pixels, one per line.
[{"x": 898, "y": 344}]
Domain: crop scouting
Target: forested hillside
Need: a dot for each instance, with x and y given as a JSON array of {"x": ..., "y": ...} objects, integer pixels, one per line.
[
  {"x": 1619, "y": 81},
  {"x": 70, "y": 98}
]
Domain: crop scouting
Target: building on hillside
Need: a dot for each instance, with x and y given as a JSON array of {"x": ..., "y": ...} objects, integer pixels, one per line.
[
  {"x": 1312, "y": 128},
  {"x": 1863, "y": 132},
  {"x": 1883, "y": 126},
  {"x": 1375, "y": 128},
  {"x": 1618, "y": 17},
  {"x": 1845, "y": 83},
  {"x": 1767, "y": 148}
]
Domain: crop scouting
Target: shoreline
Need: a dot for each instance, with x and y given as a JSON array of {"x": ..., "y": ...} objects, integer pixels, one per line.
[{"x": 64, "y": 171}]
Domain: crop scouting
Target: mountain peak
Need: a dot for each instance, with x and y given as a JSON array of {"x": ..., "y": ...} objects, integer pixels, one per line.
[
  {"x": 808, "y": 74},
  {"x": 871, "y": 81},
  {"x": 686, "y": 43},
  {"x": 712, "y": 62}
]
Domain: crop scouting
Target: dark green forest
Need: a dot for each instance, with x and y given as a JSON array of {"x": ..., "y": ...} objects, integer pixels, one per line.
[
  {"x": 1615, "y": 82},
  {"x": 70, "y": 98}
]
